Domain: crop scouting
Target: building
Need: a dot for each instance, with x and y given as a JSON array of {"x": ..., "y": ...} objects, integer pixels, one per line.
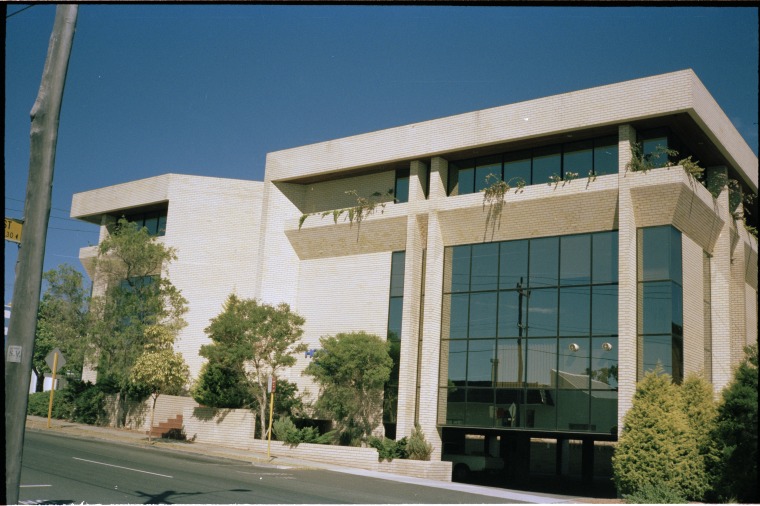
[{"x": 517, "y": 315}]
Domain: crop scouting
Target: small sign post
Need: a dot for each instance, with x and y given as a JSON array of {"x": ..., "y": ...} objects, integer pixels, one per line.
[
  {"x": 271, "y": 387},
  {"x": 54, "y": 366}
]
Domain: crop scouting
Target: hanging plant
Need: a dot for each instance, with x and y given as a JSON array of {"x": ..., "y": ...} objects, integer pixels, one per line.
[{"x": 365, "y": 206}]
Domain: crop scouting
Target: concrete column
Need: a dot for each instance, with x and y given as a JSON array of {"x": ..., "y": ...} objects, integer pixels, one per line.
[
  {"x": 720, "y": 282},
  {"x": 410, "y": 321},
  {"x": 431, "y": 326},
  {"x": 737, "y": 305},
  {"x": 627, "y": 280}
]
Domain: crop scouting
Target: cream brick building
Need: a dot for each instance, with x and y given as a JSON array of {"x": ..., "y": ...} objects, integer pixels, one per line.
[{"x": 531, "y": 317}]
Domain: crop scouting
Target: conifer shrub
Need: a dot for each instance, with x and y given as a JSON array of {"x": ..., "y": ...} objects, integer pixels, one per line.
[
  {"x": 389, "y": 449},
  {"x": 657, "y": 448},
  {"x": 656, "y": 493},
  {"x": 418, "y": 448},
  {"x": 286, "y": 431}
]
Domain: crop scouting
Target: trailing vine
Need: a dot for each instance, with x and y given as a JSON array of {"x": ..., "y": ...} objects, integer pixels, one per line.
[
  {"x": 556, "y": 179},
  {"x": 494, "y": 193},
  {"x": 365, "y": 206}
]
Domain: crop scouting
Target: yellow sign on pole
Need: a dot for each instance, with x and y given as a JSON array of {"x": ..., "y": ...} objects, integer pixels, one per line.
[{"x": 13, "y": 230}]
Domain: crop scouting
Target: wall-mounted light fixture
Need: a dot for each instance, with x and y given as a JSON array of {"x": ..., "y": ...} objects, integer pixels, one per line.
[
  {"x": 607, "y": 346},
  {"x": 574, "y": 347}
]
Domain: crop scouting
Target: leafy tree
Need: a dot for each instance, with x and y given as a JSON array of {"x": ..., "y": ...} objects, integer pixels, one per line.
[
  {"x": 657, "y": 447},
  {"x": 736, "y": 433},
  {"x": 257, "y": 340},
  {"x": 351, "y": 369},
  {"x": 61, "y": 322},
  {"x": 159, "y": 369},
  {"x": 134, "y": 295},
  {"x": 221, "y": 386}
]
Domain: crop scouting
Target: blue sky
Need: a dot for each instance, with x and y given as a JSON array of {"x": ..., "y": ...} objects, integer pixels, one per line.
[{"x": 210, "y": 89}]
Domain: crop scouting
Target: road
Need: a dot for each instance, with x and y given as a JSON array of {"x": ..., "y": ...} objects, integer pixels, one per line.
[{"x": 59, "y": 469}]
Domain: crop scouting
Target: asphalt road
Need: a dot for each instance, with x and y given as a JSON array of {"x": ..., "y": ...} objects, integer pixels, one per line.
[{"x": 59, "y": 469}]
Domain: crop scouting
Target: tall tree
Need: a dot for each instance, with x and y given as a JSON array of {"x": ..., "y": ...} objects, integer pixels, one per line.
[
  {"x": 352, "y": 369},
  {"x": 257, "y": 340},
  {"x": 134, "y": 293},
  {"x": 62, "y": 321},
  {"x": 159, "y": 369}
]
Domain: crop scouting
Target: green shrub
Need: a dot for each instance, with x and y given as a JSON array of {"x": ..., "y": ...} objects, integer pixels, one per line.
[
  {"x": 417, "y": 447},
  {"x": 286, "y": 431},
  {"x": 657, "y": 446},
  {"x": 389, "y": 449},
  {"x": 87, "y": 402},
  {"x": 39, "y": 404},
  {"x": 654, "y": 493}
]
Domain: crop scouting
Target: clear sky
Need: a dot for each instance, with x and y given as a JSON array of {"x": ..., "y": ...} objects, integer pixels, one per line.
[{"x": 210, "y": 89}]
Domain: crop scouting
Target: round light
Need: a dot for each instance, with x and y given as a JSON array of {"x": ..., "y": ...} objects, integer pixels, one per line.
[{"x": 606, "y": 346}]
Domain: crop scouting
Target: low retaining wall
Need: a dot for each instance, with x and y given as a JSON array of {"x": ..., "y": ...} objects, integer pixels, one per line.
[{"x": 233, "y": 428}]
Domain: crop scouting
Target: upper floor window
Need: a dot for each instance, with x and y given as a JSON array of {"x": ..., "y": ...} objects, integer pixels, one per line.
[
  {"x": 536, "y": 166},
  {"x": 401, "y": 188},
  {"x": 154, "y": 220}
]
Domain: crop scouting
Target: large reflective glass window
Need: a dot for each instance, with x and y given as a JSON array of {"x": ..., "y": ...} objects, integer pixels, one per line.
[
  {"x": 395, "y": 310},
  {"x": 512, "y": 313},
  {"x": 458, "y": 315},
  {"x": 485, "y": 167},
  {"x": 657, "y": 308},
  {"x": 509, "y": 406},
  {"x": 457, "y": 362},
  {"x": 604, "y": 362},
  {"x": 542, "y": 361},
  {"x": 656, "y": 257},
  {"x": 653, "y": 151},
  {"x": 542, "y": 312},
  {"x": 573, "y": 410},
  {"x": 517, "y": 166},
  {"x": 604, "y": 310},
  {"x": 460, "y": 268},
  {"x": 397, "y": 273},
  {"x": 604, "y": 411},
  {"x": 513, "y": 266},
  {"x": 401, "y": 191},
  {"x": 151, "y": 223},
  {"x": 544, "y": 262},
  {"x": 481, "y": 362},
  {"x": 605, "y": 254},
  {"x": 546, "y": 162},
  {"x": 675, "y": 255},
  {"x": 677, "y": 308},
  {"x": 574, "y": 362},
  {"x": 574, "y": 310},
  {"x": 578, "y": 158},
  {"x": 455, "y": 405},
  {"x": 575, "y": 260},
  {"x": 480, "y": 410},
  {"x": 510, "y": 354},
  {"x": 658, "y": 349},
  {"x": 465, "y": 177},
  {"x": 606, "y": 156},
  {"x": 485, "y": 267},
  {"x": 482, "y": 315}
]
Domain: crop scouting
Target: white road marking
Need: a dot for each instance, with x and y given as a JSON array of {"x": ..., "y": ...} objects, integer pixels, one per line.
[
  {"x": 30, "y": 486},
  {"x": 121, "y": 467}
]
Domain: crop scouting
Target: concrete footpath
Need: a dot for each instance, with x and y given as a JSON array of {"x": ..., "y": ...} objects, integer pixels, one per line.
[{"x": 39, "y": 424}]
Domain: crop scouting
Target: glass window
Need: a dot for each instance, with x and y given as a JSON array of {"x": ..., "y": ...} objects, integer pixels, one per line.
[
  {"x": 513, "y": 265},
  {"x": 480, "y": 407},
  {"x": 657, "y": 310},
  {"x": 675, "y": 255},
  {"x": 574, "y": 363},
  {"x": 512, "y": 312},
  {"x": 542, "y": 362},
  {"x": 481, "y": 363},
  {"x": 656, "y": 253},
  {"x": 605, "y": 255},
  {"x": 466, "y": 178},
  {"x": 482, "y": 315},
  {"x": 457, "y": 361},
  {"x": 509, "y": 403},
  {"x": 573, "y": 410},
  {"x": 653, "y": 151},
  {"x": 542, "y": 312},
  {"x": 604, "y": 362},
  {"x": 458, "y": 315},
  {"x": 397, "y": 273},
  {"x": 604, "y": 411},
  {"x": 460, "y": 268},
  {"x": 544, "y": 261},
  {"x": 606, "y": 156},
  {"x": 455, "y": 405},
  {"x": 546, "y": 162},
  {"x": 517, "y": 166},
  {"x": 578, "y": 158},
  {"x": 510, "y": 369},
  {"x": 401, "y": 191},
  {"x": 658, "y": 349},
  {"x": 486, "y": 166},
  {"x": 575, "y": 260},
  {"x": 161, "y": 225},
  {"x": 485, "y": 266},
  {"x": 574, "y": 311},
  {"x": 151, "y": 223},
  {"x": 395, "y": 310},
  {"x": 604, "y": 310}
]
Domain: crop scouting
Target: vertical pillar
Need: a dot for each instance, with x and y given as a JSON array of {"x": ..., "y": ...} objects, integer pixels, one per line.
[
  {"x": 410, "y": 320},
  {"x": 431, "y": 326},
  {"x": 587, "y": 461},
  {"x": 627, "y": 279}
]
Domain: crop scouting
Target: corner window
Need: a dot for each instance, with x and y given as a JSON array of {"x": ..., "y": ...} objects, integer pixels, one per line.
[{"x": 401, "y": 188}]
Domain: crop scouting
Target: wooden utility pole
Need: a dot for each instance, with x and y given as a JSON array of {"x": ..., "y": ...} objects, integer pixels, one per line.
[{"x": 26, "y": 292}]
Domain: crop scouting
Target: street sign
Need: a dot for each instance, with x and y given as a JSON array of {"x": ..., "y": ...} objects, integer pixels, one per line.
[
  {"x": 13, "y": 230},
  {"x": 50, "y": 360},
  {"x": 271, "y": 384}
]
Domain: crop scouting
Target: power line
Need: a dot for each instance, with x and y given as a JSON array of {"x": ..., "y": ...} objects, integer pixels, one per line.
[
  {"x": 56, "y": 208},
  {"x": 19, "y": 11}
]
